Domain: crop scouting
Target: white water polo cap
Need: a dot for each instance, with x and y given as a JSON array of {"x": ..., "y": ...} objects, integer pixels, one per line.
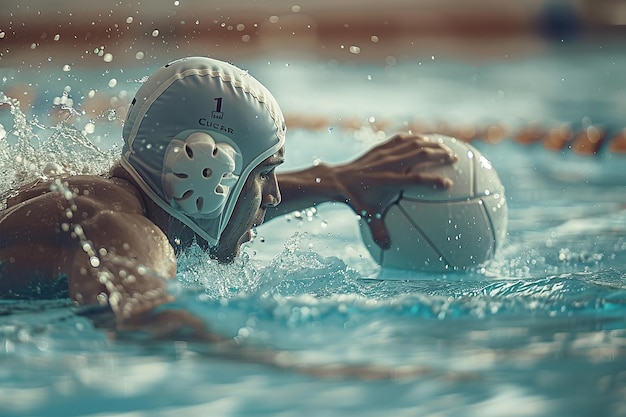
[{"x": 194, "y": 132}]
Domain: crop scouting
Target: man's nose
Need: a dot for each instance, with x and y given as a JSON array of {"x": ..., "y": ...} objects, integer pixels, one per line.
[{"x": 271, "y": 196}]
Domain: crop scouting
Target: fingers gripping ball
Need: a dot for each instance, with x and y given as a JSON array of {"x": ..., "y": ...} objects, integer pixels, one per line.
[
  {"x": 199, "y": 173},
  {"x": 446, "y": 230}
]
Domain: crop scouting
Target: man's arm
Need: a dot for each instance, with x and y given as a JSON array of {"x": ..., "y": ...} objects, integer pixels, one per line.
[
  {"x": 93, "y": 231},
  {"x": 124, "y": 260},
  {"x": 369, "y": 183}
]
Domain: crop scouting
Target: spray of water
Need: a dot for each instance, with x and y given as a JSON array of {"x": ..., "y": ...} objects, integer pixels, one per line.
[{"x": 30, "y": 150}]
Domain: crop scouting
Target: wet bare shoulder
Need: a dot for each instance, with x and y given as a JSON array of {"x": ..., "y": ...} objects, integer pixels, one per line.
[{"x": 114, "y": 194}]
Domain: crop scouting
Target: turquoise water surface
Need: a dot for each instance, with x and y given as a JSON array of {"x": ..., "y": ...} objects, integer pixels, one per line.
[{"x": 540, "y": 331}]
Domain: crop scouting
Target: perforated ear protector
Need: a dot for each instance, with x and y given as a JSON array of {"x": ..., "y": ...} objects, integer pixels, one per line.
[{"x": 198, "y": 173}]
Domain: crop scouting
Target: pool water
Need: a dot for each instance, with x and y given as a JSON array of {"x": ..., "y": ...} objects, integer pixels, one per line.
[{"x": 540, "y": 330}]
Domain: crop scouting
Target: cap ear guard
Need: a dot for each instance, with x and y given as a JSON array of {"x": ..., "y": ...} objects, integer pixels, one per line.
[{"x": 198, "y": 173}]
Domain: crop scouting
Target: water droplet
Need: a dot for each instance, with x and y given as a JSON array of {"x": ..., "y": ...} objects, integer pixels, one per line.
[
  {"x": 102, "y": 298},
  {"x": 355, "y": 49},
  {"x": 295, "y": 8},
  {"x": 129, "y": 19},
  {"x": 155, "y": 33},
  {"x": 374, "y": 38},
  {"x": 139, "y": 55},
  {"x": 108, "y": 57},
  {"x": 94, "y": 261}
]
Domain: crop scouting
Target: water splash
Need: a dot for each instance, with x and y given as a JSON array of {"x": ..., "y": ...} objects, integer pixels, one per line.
[
  {"x": 29, "y": 149},
  {"x": 198, "y": 272}
]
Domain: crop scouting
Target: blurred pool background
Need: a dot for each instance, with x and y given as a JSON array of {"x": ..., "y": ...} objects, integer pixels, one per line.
[{"x": 538, "y": 86}]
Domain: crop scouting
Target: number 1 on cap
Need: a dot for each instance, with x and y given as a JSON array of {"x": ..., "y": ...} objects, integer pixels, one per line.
[{"x": 217, "y": 113}]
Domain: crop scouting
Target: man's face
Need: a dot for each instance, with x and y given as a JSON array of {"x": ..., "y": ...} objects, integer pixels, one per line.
[{"x": 259, "y": 193}]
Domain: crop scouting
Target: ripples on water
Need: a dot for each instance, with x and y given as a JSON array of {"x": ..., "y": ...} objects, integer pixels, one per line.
[{"x": 539, "y": 331}]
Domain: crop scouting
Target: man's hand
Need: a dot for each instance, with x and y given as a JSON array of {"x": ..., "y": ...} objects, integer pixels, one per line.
[
  {"x": 369, "y": 183},
  {"x": 373, "y": 181}
]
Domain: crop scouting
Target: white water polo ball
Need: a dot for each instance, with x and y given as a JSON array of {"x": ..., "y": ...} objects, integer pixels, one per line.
[{"x": 446, "y": 230}]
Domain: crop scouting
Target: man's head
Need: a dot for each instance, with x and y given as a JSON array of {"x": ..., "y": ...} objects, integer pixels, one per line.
[{"x": 196, "y": 131}]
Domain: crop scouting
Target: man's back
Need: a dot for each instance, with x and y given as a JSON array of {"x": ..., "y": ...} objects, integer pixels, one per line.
[{"x": 69, "y": 229}]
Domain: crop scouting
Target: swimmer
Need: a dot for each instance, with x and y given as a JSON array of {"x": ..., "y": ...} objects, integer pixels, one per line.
[{"x": 202, "y": 141}]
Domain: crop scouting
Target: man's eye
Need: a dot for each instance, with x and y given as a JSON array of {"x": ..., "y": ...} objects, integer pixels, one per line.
[{"x": 266, "y": 174}]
